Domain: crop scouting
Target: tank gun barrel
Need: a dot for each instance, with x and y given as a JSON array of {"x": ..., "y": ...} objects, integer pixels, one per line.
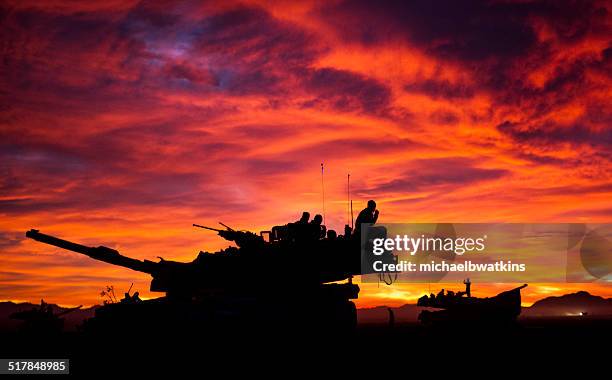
[{"x": 101, "y": 253}]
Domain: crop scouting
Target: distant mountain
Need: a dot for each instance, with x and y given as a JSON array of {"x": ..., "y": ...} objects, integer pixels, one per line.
[
  {"x": 71, "y": 320},
  {"x": 570, "y": 304}
]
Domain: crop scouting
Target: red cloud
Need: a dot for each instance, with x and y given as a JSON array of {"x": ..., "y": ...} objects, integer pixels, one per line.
[{"x": 122, "y": 123}]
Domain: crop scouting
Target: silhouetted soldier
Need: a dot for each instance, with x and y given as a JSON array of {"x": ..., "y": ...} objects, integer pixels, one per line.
[
  {"x": 347, "y": 231},
  {"x": 468, "y": 285},
  {"x": 317, "y": 220},
  {"x": 299, "y": 230},
  {"x": 305, "y": 218},
  {"x": 46, "y": 308},
  {"x": 391, "y": 317},
  {"x": 317, "y": 227},
  {"x": 440, "y": 295},
  {"x": 368, "y": 215}
]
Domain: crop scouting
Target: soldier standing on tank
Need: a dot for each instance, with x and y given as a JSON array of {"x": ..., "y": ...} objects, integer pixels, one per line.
[{"x": 468, "y": 285}]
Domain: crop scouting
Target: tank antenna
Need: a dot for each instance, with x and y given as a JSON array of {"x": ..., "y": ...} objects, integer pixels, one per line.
[
  {"x": 352, "y": 219},
  {"x": 348, "y": 197},
  {"x": 323, "y": 193}
]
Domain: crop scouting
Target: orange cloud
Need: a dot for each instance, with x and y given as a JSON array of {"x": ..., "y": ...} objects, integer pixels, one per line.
[{"x": 122, "y": 123}]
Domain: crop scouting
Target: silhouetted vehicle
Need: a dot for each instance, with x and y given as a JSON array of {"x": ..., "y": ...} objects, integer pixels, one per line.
[
  {"x": 501, "y": 309},
  {"x": 42, "y": 319},
  {"x": 288, "y": 280}
]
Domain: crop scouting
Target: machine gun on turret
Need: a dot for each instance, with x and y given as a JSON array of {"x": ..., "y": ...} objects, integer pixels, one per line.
[{"x": 243, "y": 239}]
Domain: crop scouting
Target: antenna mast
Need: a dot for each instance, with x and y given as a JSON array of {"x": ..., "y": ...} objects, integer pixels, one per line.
[
  {"x": 348, "y": 197},
  {"x": 349, "y": 211},
  {"x": 352, "y": 219},
  {"x": 323, "y": 193}
]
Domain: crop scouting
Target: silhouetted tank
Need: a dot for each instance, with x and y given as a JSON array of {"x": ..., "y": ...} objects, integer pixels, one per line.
[
  {"x": 292, "y": 274},
  {"x": 42, "y": 319},
  {"x": 503, "y": 308}
]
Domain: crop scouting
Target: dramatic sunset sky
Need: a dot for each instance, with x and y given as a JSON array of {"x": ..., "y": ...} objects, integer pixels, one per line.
[{"x": 124, "y": 122}]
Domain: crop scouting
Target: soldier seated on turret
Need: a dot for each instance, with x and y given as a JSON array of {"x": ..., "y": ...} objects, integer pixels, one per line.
[
  {"x": 46, "y": 308},
  {"x": 131, "y": 298},
  {"x": 347, "y": 231},
  {"x": 299, "y": 231},
  {"x": 423, "y": 301},
  {"x": 304, "y": 219},
  {"x": 317, "y": 220},
  {"x": 318, "y": 230},
  {"x": 136, "y": 297},
  {"x": 368, "y": 215}
]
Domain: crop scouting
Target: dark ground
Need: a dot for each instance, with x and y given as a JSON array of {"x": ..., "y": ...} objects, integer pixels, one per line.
[{"x": 543, "y": 344}]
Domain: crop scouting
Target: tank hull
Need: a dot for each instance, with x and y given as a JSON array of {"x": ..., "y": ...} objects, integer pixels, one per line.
[
  {"x": 328, "y": 309},
  {"x": 504, "y": 308}
]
